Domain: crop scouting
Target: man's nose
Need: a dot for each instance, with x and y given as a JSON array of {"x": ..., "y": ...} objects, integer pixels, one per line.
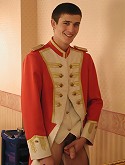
[{"x": 71, "y": 28}]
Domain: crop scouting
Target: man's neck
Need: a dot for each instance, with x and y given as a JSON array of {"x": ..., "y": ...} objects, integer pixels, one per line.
[{"x": 62, "y": 46}]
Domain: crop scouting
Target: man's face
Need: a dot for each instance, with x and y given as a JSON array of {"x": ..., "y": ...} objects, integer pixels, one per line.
[{"x": 66, "y": 29}]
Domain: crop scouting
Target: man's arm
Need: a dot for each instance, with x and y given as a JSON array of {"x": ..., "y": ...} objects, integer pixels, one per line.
[
  {"x": 94, "y": 103},
  {"x": 32, "y": 112}
]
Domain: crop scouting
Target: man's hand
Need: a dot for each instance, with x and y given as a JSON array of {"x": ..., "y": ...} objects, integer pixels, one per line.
[
  {"x": 47, "y": 161},
  {"x": 74, "y": 147},
  {"x": 71, "y": 152}
]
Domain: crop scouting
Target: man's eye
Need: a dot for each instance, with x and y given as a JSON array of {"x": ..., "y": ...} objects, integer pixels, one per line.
[
  {"x": 66, "y": 23},
  {"x": 76, "y": 25}
]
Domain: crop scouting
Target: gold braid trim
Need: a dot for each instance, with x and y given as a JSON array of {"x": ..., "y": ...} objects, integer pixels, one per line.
[
  {"x": 92, "y": 125},
  {"x": 80, "y": 48},
  {"x": 37, "y": 47},
  {"x": 37, "y": 139}
]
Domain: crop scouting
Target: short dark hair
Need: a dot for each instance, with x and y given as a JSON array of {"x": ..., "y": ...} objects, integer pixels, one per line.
[{"x": 65, "y": 8}]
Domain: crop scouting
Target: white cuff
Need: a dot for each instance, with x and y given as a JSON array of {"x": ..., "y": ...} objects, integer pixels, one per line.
[
  {"x": 38, "y": 147},
  {"x": 89, "y": 131}
]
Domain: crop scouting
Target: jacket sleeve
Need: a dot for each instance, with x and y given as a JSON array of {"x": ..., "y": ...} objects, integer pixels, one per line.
[
  {"x": 94, "y": 103},
  {"x": 32, "y": 112}
]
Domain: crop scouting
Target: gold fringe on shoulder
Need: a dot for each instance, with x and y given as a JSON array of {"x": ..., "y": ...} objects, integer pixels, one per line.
[
  {"x": 80, "y": 48},
  {"x": 37, "y": 47}
]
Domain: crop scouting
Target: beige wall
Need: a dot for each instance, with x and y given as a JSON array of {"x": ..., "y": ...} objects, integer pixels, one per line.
[
  {"x": 17, "y": 36},
  {"x": 28, "y": 26},
  {"x": 10, "y": 46},
  {"x": 10, "y": 65}
]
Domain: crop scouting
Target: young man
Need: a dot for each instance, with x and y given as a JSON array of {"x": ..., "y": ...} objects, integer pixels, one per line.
[{"x": 61, "y": 100}]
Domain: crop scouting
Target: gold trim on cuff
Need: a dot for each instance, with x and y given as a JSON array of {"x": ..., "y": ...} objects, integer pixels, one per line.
[
  {"x": 89, "y": 130},
  {"x": 38, "y": 139}
]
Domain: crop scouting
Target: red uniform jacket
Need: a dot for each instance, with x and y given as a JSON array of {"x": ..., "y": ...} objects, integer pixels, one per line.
[{"x": 45, "y": 73}]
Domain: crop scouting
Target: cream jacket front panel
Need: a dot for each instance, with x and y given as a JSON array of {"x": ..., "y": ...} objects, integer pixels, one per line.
[
  {"x": 65, "y": 74},
  {"x": 71, "y": 124}
]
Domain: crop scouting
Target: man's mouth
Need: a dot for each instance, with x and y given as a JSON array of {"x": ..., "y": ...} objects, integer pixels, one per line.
[{"x": 68, "y": 35}]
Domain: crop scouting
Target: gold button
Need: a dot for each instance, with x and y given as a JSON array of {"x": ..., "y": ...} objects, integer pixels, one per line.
[
  {"x": 74, "y": 93},
  {"x": 58, "y": 104},
  {"x": 71, "y": 75},
  {"x": 70, "y": 66},
  {"x": 60, "y": 95},
  {"x": 78, "y": 102},
  {"x": 61, "y": 75},
  {"x": 61, "y": 85},
  {"x": 72, "y": 84},
  {"x": 60, "y": 65}
]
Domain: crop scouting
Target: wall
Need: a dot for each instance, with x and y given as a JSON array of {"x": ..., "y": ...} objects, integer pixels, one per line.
[
  {"x": 10, "y": 46},
  {"x": 28, "y": 26},
  {"x": 10, "y": 64},
  {"x": 17, "y": 37}
]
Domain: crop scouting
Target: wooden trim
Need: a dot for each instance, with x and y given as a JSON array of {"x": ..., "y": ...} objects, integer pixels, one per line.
[
  {"x": 112, "y": 122},
  {"x": 10, "y": 100}
]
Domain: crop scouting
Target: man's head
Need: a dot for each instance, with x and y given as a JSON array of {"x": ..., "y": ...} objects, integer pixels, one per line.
[
  {"x": 65, "y": 8},
  {"x": 65, "y": 21}
]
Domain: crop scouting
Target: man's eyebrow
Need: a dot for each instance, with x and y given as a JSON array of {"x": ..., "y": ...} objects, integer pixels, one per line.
[
  {"x": 77, "y": 22},
  {"x": 66, "y": 21},
  {"x": 71, "y": 22}
]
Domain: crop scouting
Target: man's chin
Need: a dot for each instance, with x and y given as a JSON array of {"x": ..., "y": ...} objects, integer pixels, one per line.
[{"x": 68, "y": 41}]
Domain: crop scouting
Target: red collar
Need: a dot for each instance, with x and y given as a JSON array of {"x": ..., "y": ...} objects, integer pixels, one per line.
[{"x": 58, "y": 50}]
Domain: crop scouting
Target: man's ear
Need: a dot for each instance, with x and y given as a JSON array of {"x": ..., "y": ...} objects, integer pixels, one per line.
[{"x": 53, "y": 23}]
